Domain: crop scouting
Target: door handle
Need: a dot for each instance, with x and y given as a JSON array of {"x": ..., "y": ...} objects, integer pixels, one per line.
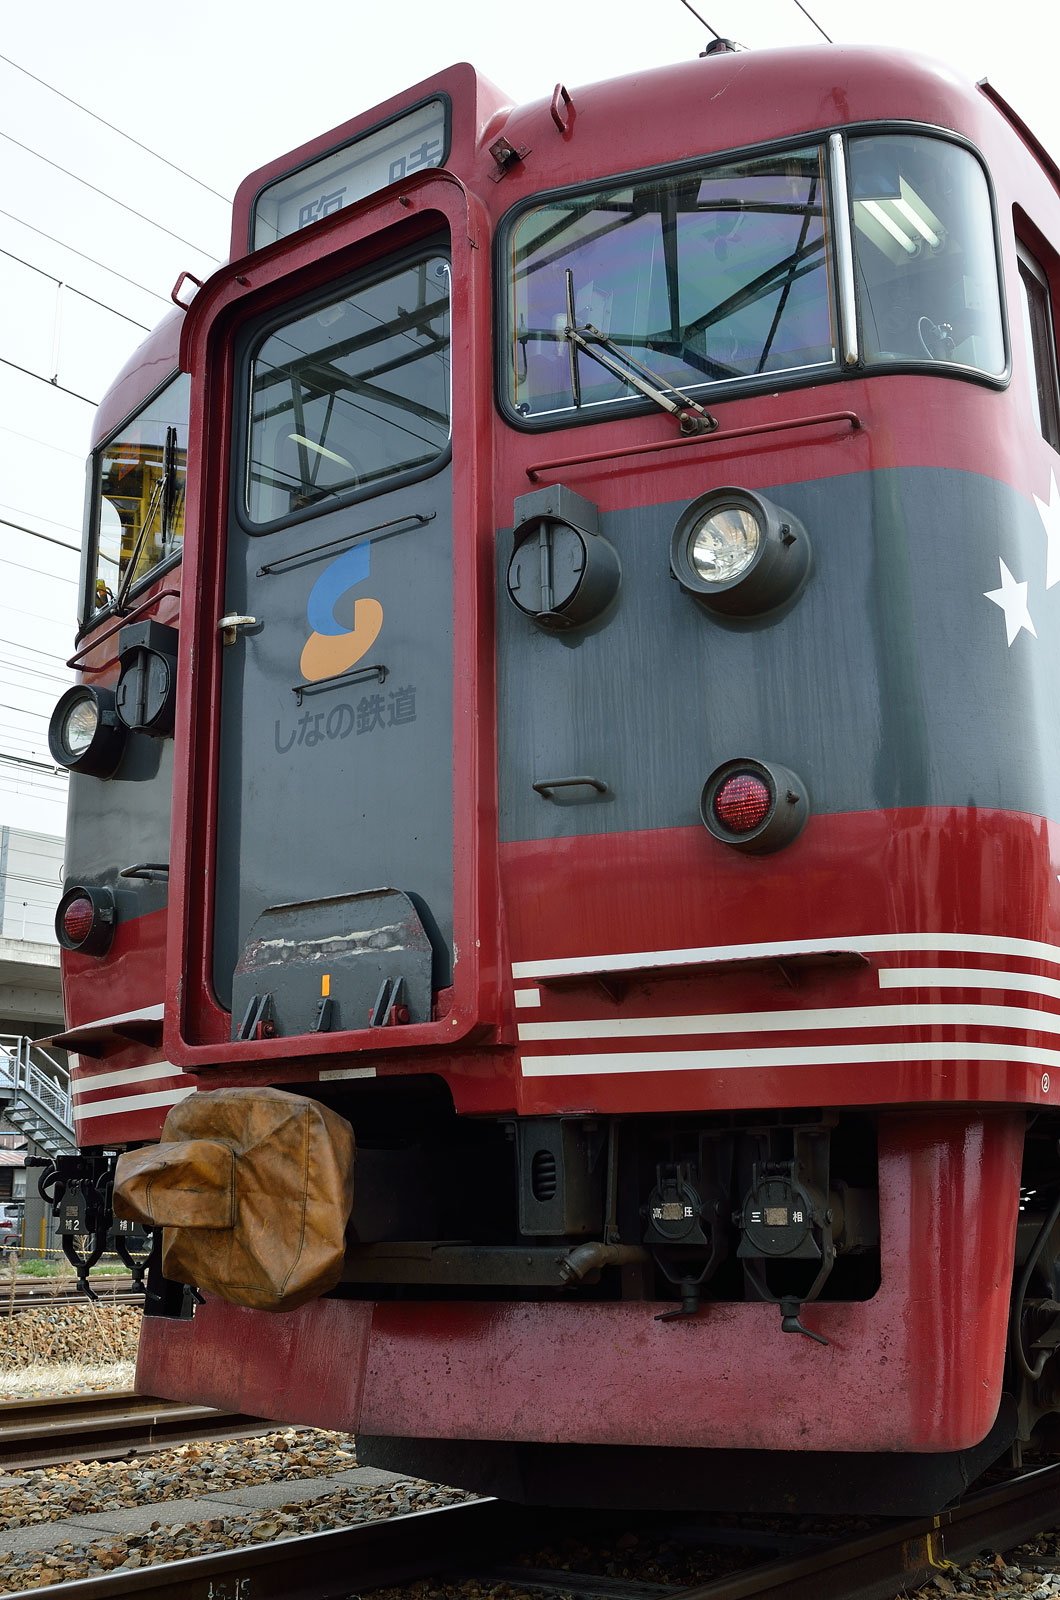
[{"x": 229, "y": 626}]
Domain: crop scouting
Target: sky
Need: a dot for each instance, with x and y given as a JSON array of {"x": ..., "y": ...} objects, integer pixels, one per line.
[{"x": 218, "y": 89}]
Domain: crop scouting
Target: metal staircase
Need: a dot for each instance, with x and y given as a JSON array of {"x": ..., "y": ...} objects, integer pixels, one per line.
[{"x": 35, "y": 1095}]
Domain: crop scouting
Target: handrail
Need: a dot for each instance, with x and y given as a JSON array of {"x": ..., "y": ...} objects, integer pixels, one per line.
[
  {"x": 782, "y": 425},
  {"x": 19, "y": 1070}
]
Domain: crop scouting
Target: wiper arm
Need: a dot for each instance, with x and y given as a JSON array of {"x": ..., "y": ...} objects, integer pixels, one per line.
[
  {"x": 689, "y": 415},
  {"x": 130, "y": 571}
]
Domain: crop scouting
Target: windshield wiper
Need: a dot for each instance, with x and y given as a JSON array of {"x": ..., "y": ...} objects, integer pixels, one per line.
[
  {"x": 141, "y": 539},
  {"x": 687, "y": 413}
]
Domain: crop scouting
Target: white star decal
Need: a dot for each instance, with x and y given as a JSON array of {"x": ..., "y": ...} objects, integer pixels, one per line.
[
  {"x": 1012, "y": 598},
  {"x": 1050, "y": 515}
]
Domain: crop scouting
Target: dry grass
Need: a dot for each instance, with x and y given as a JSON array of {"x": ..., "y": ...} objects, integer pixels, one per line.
[
  {"x": 65, "y": 1377},
  {"x": 76, "y": 1333}
]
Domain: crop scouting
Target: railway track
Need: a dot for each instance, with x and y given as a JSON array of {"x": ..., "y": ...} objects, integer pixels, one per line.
[
  {"x": 486, "y": 1540},
  {"x": 42, "y": 1293},
  {"x": 98, "y": 1427}
]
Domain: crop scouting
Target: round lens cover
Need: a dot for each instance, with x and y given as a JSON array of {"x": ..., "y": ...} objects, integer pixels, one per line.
[
  {"x": 78, "y": 918},
  {"x": 85, "y": 919},
  {"x": 724, "y": 543},
  {"x": 79, "y": 728},
  {"x": 752, "y": 805},
  {"x": 84, "y": 734}
]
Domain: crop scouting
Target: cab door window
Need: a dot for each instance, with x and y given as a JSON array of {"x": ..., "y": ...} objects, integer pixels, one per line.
[{"x": 350, "y": 395}]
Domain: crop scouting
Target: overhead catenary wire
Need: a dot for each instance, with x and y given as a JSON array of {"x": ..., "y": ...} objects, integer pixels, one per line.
[
  {"x": 20, "y": 511},
  {"x": 698, "y": 18},
  {"x": 112, "y": 198},
  {"x": 814, "y": 20},
  {"x": 114, "y": 128},
  {"x": 45, "y": 577},
  {"x": 35, "y": 533},
  {"x": 10, "y": 254},
  {"x": 27, "y": 711},
  {"x": 53, "y": 655},
  {"x": 49, "y": 381},
  {"x": 21, "y": 646},
  {"x": 42, "y": 766},
  {"x": 101, "y": 264},
  {"x": 30, "y": 669},
  {"x": 31, "y": 438}
]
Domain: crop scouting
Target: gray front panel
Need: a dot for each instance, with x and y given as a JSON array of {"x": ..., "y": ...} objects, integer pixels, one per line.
[
  {"x": 889, "y": 682},
  {"x": 347, "y": 786}
]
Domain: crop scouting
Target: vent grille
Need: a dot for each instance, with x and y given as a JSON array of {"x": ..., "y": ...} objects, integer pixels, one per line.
[{"x": 544, "y": 1180}]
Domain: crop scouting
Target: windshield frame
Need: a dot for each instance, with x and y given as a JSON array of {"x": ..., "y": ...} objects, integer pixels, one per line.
[{"x": 837, "y": 208}]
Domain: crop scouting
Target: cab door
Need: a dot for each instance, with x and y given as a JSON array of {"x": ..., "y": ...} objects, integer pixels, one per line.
[{"x": 333, "y": 901}]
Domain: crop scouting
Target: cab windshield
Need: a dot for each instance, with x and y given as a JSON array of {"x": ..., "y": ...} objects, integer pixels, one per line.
[
  {"x": 725, "y": 277},
  {"x": 138, "y": 496},
  {"x": 703, "y": 277}
]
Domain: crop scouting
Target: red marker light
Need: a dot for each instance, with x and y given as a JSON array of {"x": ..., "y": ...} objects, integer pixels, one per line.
[
  {"x": 742, "y": 803},
  {"x": 78, "y": 918}
]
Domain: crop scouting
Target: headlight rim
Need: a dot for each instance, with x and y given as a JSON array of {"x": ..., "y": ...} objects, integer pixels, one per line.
[
  {"x": 775, "y": 573},
  {"x": 100, "y": 757}
]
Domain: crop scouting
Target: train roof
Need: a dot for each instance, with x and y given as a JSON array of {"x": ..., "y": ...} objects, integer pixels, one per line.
[{"x": 153, "y": 361}]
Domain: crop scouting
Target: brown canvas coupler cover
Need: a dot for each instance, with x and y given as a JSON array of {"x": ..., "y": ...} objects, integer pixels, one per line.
[{"x": 252, "y": 1189}]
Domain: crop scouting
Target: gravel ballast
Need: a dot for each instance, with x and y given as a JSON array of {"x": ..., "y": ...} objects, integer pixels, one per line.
[{"x": 87, "y": 1518}]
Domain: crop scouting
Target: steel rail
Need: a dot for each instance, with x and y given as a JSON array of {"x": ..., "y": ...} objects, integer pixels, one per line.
[
  {"x": 343, "y": 1561},
  {"x": 113, "y": 1422},
  {"x": 906, "y": 1554},
  {"x": 45, "y": 1293},
  {"x": 467, "y": 1539},
  {"x": 54, "y": 1301}
]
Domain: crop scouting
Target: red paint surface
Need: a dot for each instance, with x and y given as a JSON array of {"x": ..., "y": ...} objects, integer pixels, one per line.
[
  {"x": 960, "y": 874},
  {"x": 918, "y": 1367},
  {"x": 846, "y": 880},
  {"x": 128, "y": 978},
  {"x": 305, "y": 1365}
]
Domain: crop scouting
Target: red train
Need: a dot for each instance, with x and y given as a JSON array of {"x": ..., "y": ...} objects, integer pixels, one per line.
[{"x": 567, "y": 714}]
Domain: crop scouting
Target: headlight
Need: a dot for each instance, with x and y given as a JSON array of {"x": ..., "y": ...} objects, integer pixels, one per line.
[
  {"x": 79, "y": 728},
  {"x": 723, "y": 543},
  {"x": 84, "y": 734},
  {"x": 738, "y": 554}
]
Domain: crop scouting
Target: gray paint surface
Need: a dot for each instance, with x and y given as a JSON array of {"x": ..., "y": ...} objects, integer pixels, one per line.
[
  {"x": 352, "y": 788},
  {"x": 887, "y": 682},
  {"x": 117, "y": 822}
]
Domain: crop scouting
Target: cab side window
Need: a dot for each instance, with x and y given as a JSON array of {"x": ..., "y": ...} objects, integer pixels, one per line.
[{"x": 1040, "y": 343}]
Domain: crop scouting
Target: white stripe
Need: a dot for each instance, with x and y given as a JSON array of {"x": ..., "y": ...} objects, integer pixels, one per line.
[
  {"x": 347, "y": 1072},
  {"x": 130, "y": 1102},
  {"x": 527, "y": 997},
  {"x": 804, "y": 1056},
  {"x": 706, "y": 955},
  {"x": 888, "y": 1017},
  {"x": 967, "y": 978},
  {"x": 111, "y": 1080},
  {"x": 144, "y": 1014}
]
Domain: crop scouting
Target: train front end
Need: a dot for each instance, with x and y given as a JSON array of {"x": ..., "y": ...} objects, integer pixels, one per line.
[{"x": 607, "y": 1049}]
